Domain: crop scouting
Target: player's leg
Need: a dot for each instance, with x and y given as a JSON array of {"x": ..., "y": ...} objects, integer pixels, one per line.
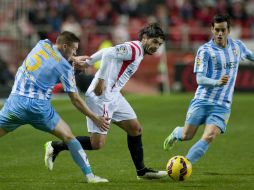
[
  {"x": 12, "y": 114},
  {"x": 95, "y": 141},
  {"x": 134, "y": 131},
  {"x": 195, "y": 116},
  {"x": 92, "y": 142},
  {"x": 2, "y": 132},
  {"x": 59, "y": 146},
  {"x": 3, "y": 121},
  {"x": 63, "y": 132},
  {"x": 97, "y": 137},
  {"x": 125, "y": 117},
  {"x": 44, "y": 117},
  {"x": 134, "y": 140},
  {"x": 179, "y": 134},
  {"x": 200, "y": 147},
  {"x": 216, "y": 122}
]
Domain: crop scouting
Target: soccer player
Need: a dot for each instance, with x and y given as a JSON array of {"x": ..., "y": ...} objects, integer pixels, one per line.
[
  {"x": 216, "y": 66},
  {"x": 118, "y": 64},
  {"x": 29, "y": 101}
]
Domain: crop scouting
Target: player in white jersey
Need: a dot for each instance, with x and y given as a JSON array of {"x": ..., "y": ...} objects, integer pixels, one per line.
[
  {"x": 216, "y": 66},
  {"x": 103, "y": 96},
  {"x": 29, "y": 101}
]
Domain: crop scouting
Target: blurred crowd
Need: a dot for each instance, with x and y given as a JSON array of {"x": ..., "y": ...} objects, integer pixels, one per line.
[
  {"x": 120, "y": 20},
  {"x": 185, "y": 21}
]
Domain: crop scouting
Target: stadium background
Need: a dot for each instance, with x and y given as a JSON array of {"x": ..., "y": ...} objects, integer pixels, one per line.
[
  {"x": 101, "y": 23},
  {"x": 228, "y": 164}
]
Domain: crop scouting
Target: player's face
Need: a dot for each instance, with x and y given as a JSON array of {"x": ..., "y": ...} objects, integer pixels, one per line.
[
  {"x": 220, "y": 32},
  {"x": 151, "y": 45},
  {"x": 70, "y": 50}
]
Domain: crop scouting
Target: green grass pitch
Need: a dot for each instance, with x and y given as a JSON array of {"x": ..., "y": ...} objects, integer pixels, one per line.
[{"x": 228, "y": 164}]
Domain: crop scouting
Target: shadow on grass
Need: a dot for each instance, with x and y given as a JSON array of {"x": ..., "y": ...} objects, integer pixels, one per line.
[{"x": 228, "y": 174}]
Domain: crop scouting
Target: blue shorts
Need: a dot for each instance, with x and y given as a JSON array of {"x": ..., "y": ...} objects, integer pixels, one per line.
[
  {"x": 21, "y": 110},
  {"x": 204, "y": 112}
]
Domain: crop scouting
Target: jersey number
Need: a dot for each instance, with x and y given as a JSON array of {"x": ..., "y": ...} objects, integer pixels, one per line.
[{"x": 37, "y": 58}]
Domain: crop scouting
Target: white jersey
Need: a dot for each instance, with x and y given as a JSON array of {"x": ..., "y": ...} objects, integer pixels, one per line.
[{"x": 118, "y": 64}]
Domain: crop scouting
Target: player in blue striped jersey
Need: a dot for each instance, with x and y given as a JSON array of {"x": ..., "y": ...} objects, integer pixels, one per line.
[
  {"x": 216, "y": 66},
  {"x": 29, "y": 101}
]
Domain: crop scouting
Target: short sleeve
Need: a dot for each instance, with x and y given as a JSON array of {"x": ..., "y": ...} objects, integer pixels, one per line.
[{"x": 67, "y": 79}]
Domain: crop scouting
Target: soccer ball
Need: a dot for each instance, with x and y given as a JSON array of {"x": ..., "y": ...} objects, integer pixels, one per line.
[{"x": 179, "y": 168}]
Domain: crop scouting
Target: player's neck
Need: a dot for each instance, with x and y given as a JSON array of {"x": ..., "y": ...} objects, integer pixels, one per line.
[
  {"x": 58, "y": 48},
  {"x": 223, "y": 44}
]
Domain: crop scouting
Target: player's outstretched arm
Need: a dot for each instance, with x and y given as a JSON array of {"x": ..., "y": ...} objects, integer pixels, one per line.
[
  {"x": 79, "y": 103},
  {"x": 80, "y": 62},
  {"x": 80, "y": 59}
]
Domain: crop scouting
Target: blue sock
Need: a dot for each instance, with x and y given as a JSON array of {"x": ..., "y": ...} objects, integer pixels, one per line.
[
  {"x": 79, "y": 156},
  {"x": 178, "y": 132},
  {"x": 197, "y": 151}
]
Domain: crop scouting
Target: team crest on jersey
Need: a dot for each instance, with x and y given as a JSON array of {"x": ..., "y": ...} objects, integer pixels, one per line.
[
  {"x": 121, "y": 49},
  {"x": 198, "y": 61},
  {"x": 235, "y": 52}
]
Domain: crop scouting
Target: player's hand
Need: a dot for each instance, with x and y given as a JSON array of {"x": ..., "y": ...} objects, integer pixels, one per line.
[
  {"x": 80, "y": 62},
  {"x": 80, "y": 66},
  {"x": 224, "y": 80},
  {"x": 99, "y": 88},
  {"x": 80, "y": 59},
  {"x": 103, "y": 123}
]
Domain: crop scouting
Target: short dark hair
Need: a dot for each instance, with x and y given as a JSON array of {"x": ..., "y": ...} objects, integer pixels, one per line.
[
  {"x": 152, "y": 31},
  {"x": 221, "y": 18},
  {"x": 67, "y": 38}
]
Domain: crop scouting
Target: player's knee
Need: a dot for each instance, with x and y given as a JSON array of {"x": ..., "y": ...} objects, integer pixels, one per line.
[
  {"x": 187, "y": 136},
  {"x": 68, "y": 137},
  {"x": 2, "y": 132},
  {"x": 96, "y": 145},
  {"x": 135, "y": 131},
  {"x": 209, "y": 137}
]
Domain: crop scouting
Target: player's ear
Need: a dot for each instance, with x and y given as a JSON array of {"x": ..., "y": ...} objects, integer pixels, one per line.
[
  {"x": 64, "y": 46},
  {"x": 144, "y": 38},
  {"x": 212, "y": 29}
]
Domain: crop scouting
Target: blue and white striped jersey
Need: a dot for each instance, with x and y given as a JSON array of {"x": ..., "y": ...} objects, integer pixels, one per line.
[
  {"x": 43, "y": 67},
  {"x": 213, "y": 62}
]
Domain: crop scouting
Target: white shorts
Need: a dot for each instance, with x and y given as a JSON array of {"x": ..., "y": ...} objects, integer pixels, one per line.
[{"x": 117, "y": 110}]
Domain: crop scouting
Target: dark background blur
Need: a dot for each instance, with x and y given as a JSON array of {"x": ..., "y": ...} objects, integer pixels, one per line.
[{"x": 102, "y": 23}]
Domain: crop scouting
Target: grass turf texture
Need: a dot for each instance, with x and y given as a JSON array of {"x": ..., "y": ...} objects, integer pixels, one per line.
[{"x": 228, "y": 164}]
